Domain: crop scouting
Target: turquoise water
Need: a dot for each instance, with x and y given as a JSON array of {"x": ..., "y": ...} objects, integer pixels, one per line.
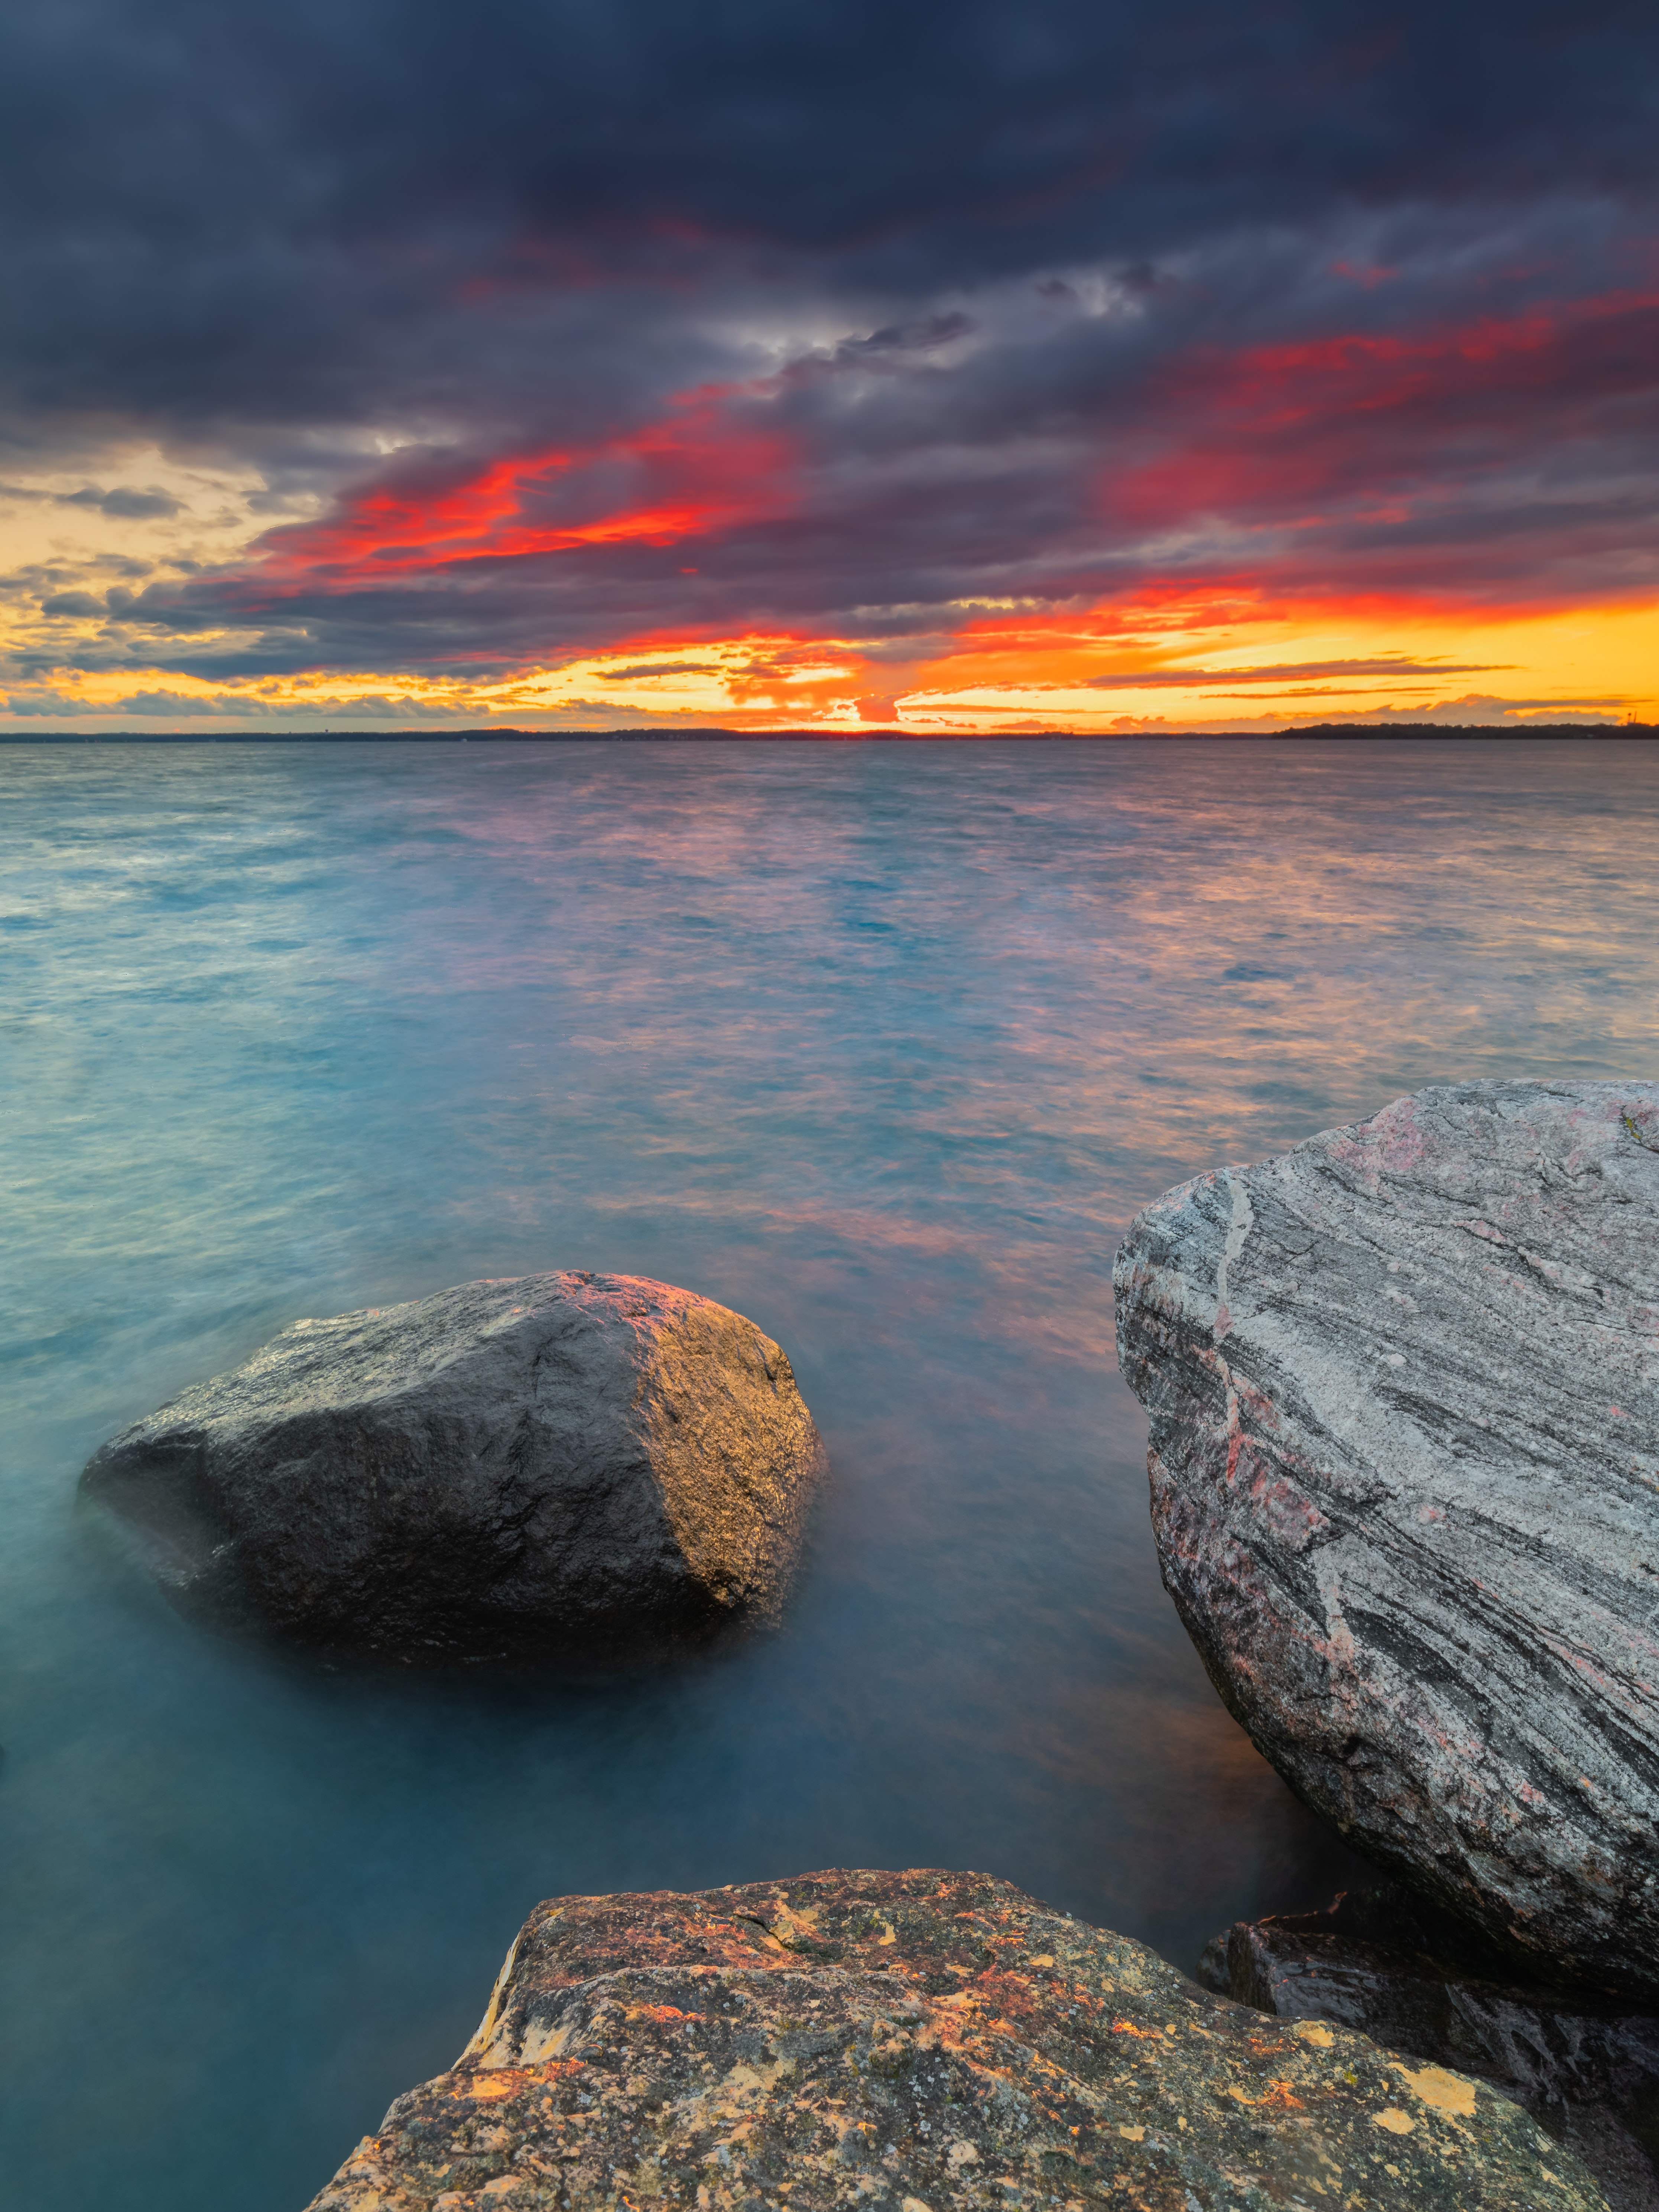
[{"x": 881, "y": 1044}]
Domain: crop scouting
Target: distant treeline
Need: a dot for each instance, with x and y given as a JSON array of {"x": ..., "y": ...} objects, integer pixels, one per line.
[{"x": 1471, "y": 730}]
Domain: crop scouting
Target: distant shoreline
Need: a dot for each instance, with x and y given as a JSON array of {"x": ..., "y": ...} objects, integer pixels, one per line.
[{"x": 876, "y": 734}]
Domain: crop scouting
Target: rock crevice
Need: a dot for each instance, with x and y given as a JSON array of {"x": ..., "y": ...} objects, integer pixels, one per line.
[{"x": 1385, "y": 1963}]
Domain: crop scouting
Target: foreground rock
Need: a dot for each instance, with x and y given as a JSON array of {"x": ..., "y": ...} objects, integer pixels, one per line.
[
  {"x": 1403, "y": 1390},
  {"x": 1385, "y": 1963},
  {"x": 594, "y": 1467},
  {"x": 916, "y": 2042}
]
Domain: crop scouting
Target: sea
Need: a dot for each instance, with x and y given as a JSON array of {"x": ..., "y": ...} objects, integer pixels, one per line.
[{"x": 882, "y": 1044}]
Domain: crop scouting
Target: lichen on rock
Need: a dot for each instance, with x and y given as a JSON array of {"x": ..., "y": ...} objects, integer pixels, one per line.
[
  {"x": 919, "y": 2042},
  {"x": 1385, "y": 1962}
]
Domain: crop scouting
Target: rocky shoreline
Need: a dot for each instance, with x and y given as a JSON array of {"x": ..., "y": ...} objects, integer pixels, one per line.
[
  {"x": 1403, "y": 1392},
  {"x": 926, "y": 2042}
]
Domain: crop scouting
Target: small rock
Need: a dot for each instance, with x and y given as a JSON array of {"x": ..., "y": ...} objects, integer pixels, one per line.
[
  {"x": 1384, "y": 1962},
  {"x": 1404, "y": 1391},
  {"x": 939, "y": 2040},
  {"x": 592, "y": 1467}
]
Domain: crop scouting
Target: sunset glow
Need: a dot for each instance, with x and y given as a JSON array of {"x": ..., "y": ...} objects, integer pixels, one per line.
[{"x": 1283, "y": 424}]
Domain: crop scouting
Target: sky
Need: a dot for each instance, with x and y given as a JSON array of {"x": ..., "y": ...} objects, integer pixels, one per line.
[{"x": 955, "y": 369}]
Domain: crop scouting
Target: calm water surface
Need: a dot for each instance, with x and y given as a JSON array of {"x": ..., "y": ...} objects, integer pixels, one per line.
[{"x": 881, "y": 1044}]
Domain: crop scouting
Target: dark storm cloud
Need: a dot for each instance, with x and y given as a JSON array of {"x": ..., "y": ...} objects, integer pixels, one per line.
[
  {"x": 244, "y": 209},
  {"x": 1008, "y": 283},
  {"x": 125, "y": 504}
]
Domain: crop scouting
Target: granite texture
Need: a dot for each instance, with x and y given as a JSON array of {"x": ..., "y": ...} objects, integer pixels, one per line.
[
  {"x": 1403, "y": 1384},
  {"x": 1384, "y": 1962},
  {"x": 596, "y": 1469},
  {"x": 917, "y": 2043}
]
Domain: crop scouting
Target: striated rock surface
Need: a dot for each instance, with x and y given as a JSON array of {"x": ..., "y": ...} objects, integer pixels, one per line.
[
  {"x": 1404, "y": 1391},
  {"x": 917, "y": 2043},
  {"x": 566, "y": 1465},
  {"x": 1384, "y": 1962}
]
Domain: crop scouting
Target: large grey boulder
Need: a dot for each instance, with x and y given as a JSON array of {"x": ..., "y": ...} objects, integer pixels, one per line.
[
  {"x": 1404, "y": 1392},
  {"x": 918, "y": 2042},
  {"x": 595, "y": 1467}
]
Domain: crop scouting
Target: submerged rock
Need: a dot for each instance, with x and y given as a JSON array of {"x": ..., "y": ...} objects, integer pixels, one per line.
[
  {"x": 596, "y": 1467},
  {"x": 1407, "y": 1976},
  {"x": 1404, "y": 1391},
  {"x": 917, "y": 2042}
]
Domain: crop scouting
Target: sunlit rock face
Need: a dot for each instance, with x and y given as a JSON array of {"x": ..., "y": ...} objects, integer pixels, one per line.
[
  {"x": 565, "y": 1465},
  {"x": 1404, "y": 1391},
  {"x": 917, "y": 2040}
]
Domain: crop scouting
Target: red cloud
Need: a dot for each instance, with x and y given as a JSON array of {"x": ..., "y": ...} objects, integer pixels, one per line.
[
  {"x": 1367, "y": 427},
  {"x": 700, "y": 471},
  {"x": 1363, "y": 473}
]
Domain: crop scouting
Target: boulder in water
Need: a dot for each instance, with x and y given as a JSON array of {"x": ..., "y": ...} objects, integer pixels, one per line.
[
  {"x": 1403, "y": 1384},
  {"x": 919, "y": 2042},
  {"x": 590, "y": 1468}
]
